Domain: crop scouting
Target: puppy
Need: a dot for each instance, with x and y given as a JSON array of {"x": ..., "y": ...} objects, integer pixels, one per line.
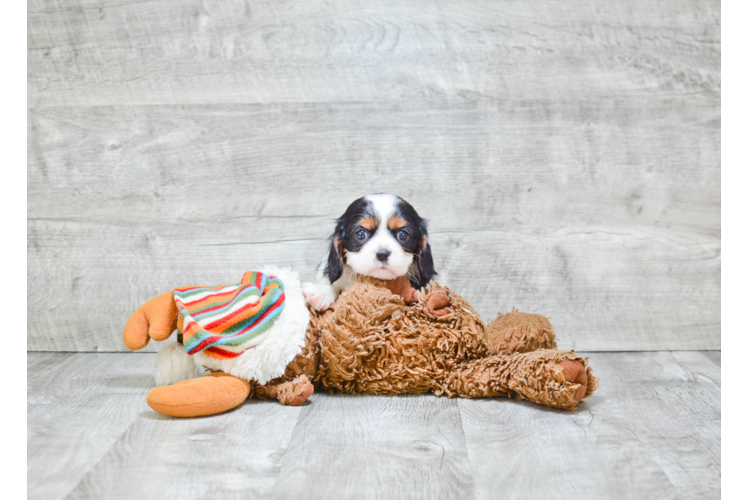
[{"x": 379, "y": 235}]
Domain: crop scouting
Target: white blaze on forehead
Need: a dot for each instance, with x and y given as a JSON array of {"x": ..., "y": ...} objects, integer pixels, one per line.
[{"x": 384, "y": 206}]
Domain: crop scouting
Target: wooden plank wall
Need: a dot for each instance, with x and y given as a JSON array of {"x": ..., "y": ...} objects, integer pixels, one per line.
[{"x": 566, "y": 153}]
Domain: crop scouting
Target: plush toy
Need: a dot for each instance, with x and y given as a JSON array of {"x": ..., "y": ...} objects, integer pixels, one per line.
[{"x": 258, "y": 338}]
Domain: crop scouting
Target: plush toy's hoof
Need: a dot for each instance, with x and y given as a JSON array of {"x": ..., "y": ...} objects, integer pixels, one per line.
[
  {"x": 198, "y": 397},
  {"x": 301, "y": 398},
  {"x": 292, "y": 393},
  {"x": 575, "y": 373},
  {"x": 438, "y": 303}
]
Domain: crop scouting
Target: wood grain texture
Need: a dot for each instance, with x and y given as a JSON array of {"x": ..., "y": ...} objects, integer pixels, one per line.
[
  {"x": 178, "y": 52},
  {"x": 235, "y": 455},
  {"x": 652, "y": 430},
  {"x": 77, "y": 407},
  {"x": 603, "y": 217},
  {"x": 348, "y": 446}
]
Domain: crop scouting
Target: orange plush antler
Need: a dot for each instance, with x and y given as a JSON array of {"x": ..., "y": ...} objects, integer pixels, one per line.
[{"x": 156, "y": 319}]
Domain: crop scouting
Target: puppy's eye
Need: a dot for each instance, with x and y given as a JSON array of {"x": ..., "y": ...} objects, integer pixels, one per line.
[
  {"x": 361, "y": 235},
  {"x": 402, "y": 235}
]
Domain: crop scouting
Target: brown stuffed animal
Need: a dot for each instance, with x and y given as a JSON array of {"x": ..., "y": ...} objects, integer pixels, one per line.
[{"x": 383, "y": 337}]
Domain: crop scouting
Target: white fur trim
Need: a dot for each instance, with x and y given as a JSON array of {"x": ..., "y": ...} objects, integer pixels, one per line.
[
  {"x": 173, "y": 364},
  {"x": 284, "y": 341}
]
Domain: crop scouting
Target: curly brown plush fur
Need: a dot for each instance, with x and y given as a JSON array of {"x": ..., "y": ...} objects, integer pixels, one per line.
[{"x": 371, "y": 342}]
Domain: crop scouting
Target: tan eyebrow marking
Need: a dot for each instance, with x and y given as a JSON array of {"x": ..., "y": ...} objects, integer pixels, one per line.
[
  {"x": 396, "y": 222},
  {"x": 368, "y": 223}
]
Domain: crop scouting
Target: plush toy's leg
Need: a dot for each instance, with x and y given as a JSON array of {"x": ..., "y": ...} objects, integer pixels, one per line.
[
  {"x": 156, "y": 319},
  {"x": 292, "y": 393},
  {"x": 519, "y": 332},
  {"x": 553, "y": 378},
  {"x": 198, "y": 397}
]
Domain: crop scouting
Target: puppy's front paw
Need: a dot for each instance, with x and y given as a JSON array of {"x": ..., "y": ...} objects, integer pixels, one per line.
[{"x": 318, "y": 296}]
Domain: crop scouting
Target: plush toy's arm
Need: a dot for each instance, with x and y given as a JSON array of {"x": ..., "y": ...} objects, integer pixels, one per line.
[{"x": 156, "y": 319}]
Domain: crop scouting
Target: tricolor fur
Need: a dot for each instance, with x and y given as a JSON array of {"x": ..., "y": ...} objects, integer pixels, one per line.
[{"x": 379, "y": 235}]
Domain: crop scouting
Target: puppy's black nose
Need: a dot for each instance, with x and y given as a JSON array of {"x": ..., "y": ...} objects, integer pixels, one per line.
[{"x": 382, "y": 255}]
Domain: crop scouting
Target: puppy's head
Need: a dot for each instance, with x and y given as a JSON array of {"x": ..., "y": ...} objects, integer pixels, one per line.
[{"x": 382, "y": 236}]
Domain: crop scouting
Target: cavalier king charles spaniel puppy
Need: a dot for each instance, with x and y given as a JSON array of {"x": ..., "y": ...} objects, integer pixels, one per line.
[{"x": 379, "y": 235}]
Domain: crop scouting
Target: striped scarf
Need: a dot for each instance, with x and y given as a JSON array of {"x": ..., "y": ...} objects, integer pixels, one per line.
[{"x": 227, "y": 320}]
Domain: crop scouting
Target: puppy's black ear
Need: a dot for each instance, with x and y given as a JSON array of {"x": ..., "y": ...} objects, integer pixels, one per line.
[
  {"x": 423, "y": 261},
  {"x": 334, "y": 269}
]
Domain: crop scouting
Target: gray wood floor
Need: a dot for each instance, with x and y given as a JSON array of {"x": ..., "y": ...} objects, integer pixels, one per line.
[{"x": 652, "y": 430}]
